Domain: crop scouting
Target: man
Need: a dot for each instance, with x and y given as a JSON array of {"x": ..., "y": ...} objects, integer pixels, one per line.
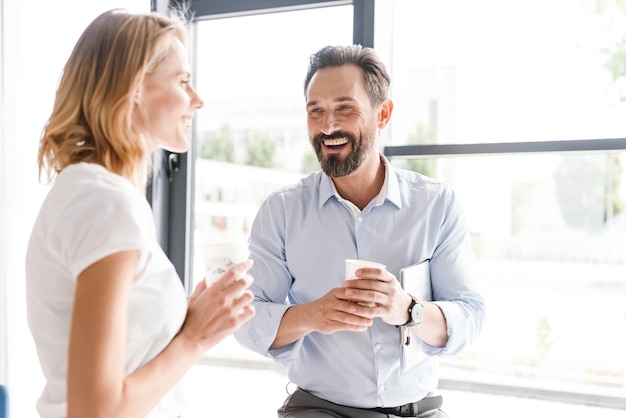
[{"x": 341, "y": 339}]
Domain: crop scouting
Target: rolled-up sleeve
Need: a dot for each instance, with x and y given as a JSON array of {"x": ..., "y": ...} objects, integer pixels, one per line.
[
  {"x": 272, "y": 282},
  {"x": 455, "y": 290}
]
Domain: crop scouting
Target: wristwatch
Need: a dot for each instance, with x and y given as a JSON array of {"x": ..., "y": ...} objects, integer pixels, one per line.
[{"x": 416, "y": 313}]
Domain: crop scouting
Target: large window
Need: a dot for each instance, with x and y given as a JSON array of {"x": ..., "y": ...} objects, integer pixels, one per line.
[
  {"x": 548, "y": 226},
  {"x": 548, "y": 233}
]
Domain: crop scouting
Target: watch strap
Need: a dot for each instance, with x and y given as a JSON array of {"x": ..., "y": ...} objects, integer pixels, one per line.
[{"x": 410, "y": 322}]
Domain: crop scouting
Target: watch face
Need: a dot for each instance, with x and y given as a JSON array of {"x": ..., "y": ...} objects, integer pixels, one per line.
[{"x": 417, "y": 313}]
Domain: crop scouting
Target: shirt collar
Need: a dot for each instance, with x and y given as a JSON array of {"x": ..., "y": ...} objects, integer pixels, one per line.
[{"x": 390, "y": 190}]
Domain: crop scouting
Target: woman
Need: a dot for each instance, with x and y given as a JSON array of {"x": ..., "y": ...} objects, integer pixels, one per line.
[{"x": 113, "y": 327}]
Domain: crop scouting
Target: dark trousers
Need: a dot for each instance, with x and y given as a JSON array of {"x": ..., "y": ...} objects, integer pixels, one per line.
[{"x": 302, "y": 404}]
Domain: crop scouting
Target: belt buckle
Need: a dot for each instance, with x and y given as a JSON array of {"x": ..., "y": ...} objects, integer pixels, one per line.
[{"x": 409, "y": 410}]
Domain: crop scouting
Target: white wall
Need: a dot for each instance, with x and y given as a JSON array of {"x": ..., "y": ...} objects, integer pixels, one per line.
[{"x": 37, "y": 39}]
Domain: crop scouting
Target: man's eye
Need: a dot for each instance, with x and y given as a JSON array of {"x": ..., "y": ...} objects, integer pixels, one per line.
[{"x": 345, "y": 107}]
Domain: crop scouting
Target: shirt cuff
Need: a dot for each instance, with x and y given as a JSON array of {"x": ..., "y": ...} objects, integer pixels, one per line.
[
  {"x": 259, "y": 333},
  {"x": 456, "y": 323}
]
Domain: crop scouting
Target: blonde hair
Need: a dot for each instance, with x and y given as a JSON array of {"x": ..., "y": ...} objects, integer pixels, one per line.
[{"x": 93, "y": 113}]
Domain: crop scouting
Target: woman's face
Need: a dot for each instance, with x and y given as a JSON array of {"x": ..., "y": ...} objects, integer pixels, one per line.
[{"x": 166, "y": 101}]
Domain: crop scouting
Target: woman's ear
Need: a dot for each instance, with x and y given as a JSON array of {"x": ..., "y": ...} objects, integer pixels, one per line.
[
  {"x": 138, "y": 92},
  {"x": 384, "y": 113}
]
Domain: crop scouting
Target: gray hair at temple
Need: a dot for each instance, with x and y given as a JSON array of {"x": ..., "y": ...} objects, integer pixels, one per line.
[{"x": 377, "y": 79}]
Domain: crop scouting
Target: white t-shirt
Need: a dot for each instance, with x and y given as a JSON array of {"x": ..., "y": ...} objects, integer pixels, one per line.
[{"x": 88, "y": 214}]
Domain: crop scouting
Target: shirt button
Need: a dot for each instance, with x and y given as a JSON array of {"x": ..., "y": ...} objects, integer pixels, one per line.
[
  {"x": 378, "y": 346},
  {"x": 359, "y": 219},
  {"x": 382, "y": 388}
]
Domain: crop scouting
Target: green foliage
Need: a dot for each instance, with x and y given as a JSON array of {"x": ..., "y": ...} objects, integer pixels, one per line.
[
  {"x": 219, "y": 147},
  {"x": 616, "y": 55},
  {"x": 260, "y": 149},
  {"x": 310, "y": 163},
  {"x": 427, "y": 166},
  {"x": 617, "y": 60}
]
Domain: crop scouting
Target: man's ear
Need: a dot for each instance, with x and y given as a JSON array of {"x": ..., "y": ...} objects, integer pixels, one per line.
[{"x": 384, "y": 113}]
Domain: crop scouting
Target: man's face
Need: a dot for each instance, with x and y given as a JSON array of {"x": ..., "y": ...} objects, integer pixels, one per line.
[{"x": 341, "y": 121}]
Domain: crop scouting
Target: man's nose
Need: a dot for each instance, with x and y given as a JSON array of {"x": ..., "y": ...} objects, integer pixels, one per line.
[{"x": 329, "y": 124}]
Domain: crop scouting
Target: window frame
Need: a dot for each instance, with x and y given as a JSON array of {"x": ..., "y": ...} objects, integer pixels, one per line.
[{"x": 508, "y": 148}]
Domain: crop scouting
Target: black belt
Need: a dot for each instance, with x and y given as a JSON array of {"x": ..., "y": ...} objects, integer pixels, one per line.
[{"x": 413, "y": 409}]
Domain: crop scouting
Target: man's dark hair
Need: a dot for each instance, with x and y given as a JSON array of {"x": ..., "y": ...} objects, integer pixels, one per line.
[{"x": 377, "y": 79}]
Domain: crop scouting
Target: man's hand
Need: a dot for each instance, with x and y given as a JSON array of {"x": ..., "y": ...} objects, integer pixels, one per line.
[
  {"x": 335, "y": 311},
  {"x": 331, "y": 313},
  {"x": 380, "y": 287}
]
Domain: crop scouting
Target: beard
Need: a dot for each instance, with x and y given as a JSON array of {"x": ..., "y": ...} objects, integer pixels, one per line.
[{"x": 333, "y": 165}]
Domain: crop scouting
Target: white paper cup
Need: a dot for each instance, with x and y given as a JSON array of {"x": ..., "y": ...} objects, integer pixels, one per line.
[
  {"x": 353, "y": 265},
  {"x": 218, "y": 258}
]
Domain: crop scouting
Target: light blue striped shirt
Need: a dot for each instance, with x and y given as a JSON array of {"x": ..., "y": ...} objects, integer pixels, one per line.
[{"x": 299, "y": 240}]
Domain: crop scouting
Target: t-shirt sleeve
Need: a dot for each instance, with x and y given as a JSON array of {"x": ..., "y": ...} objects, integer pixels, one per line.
[{"x": 97, "y": 223}]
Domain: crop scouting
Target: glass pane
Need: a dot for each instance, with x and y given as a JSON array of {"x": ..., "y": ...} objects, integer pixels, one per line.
[
  {"x": 493, "y": 71},
  {"x": 251, "y": 135},
  {"x": 549, "y": 233}
]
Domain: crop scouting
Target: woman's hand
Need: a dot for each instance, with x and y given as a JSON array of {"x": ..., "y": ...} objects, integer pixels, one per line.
[{"x": 217, "y": 311}]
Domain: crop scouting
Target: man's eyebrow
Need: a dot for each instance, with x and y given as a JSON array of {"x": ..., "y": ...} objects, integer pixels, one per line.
[{"x": 342, "y": 99}]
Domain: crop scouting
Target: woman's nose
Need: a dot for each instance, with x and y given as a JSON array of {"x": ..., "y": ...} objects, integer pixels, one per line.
[{"x": 196, "y": 100}]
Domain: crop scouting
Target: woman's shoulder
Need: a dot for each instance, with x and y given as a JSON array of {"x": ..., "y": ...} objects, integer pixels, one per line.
[
  {"x": 86, "y": 179},
  {"x": 91, "y": 188}
]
